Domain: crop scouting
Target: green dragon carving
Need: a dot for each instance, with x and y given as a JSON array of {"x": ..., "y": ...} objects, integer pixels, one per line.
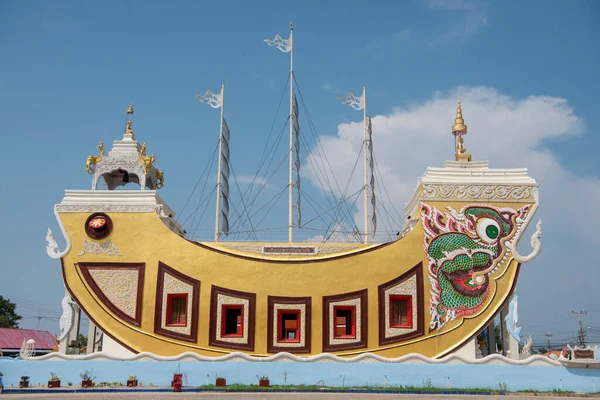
[{"x": 464, "y": 248}]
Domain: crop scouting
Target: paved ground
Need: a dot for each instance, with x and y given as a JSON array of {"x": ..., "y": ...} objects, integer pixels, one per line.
[{"x": 266, "y": 396}]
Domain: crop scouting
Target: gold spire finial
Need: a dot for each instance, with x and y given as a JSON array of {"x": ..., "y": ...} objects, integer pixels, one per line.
[
  {"x": 459, "y": 127},
  {"x": 291, "y": 26},
  {"x": 130, "y": 109}
]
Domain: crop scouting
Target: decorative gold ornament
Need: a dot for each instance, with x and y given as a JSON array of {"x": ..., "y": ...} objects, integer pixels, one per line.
[
  {"x": 101, "y": 147},
  {"x": 129, "y": 131},
  {"x": 461, "y": 151},
  {"x": 460, "y": 129},
  {"x": 130, "y": 109},
  {"x": 143, "y": 150},
  {"x": 160, "y": 179},
  {"x": 91, "y": 160},
  {"x": 147, "y": 161}
]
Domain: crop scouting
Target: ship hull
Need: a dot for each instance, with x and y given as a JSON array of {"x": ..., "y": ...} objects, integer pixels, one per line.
[{"x": 126, "y": 284}]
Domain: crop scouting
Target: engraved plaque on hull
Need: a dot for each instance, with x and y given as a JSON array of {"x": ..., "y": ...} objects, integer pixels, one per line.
[{"x": 291, "y": 250}]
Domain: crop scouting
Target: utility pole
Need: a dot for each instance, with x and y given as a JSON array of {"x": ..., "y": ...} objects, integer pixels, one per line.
[
  {"x": 581, "y": 332},
  {"x": 549, "y": 335}
]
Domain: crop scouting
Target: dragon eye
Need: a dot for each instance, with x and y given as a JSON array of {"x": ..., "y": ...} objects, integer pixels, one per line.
[{"x": 488, "y": 230}]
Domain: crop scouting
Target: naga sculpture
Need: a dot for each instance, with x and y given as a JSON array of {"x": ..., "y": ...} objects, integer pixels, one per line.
[
  {"x": 27, "y": 349},
  {"x": 512, "y": 319},
  {"x": 464, "y": 249},
  {"x": 67, "y": 318},
  {"x": 51, "y": 245}
]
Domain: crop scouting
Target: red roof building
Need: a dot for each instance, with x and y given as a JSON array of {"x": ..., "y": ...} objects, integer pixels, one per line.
[{"x": 11, "y": 340}]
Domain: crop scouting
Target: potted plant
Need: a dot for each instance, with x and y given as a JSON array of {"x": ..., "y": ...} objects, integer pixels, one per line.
[
  {"x": 132, "y": 381},
  {"x": 24, "y": 382},
  {"x": 54, "y": 381},
  {"x": 263, "y": 381},
  {"x": 87, "y": 376},
  {"x": 177, "y": 382},
  {"x": 221, "y": 382}
]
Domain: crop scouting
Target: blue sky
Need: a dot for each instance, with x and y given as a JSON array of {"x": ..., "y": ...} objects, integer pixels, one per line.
[{"x": 68, "y": 71}]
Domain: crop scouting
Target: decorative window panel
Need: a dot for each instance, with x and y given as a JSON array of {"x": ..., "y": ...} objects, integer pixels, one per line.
[
  {"x": 172, "y": 284},
  {"x": 345, "y": 321},
  {"x": 401, "y": 307},
  {"x": 289, "y": 324},
  {"x": 119, "y": 286},
  {"x": 232, "y": 319},
  {"x": 401, "y": 311},
  {"x": 177, "y": 305}
]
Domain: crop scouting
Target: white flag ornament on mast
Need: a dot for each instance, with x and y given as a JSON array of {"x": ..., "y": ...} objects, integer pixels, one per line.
[
  {"x": 213, "y": 100},
  {"x": 284, "y": 45},
  {"x": 358, "y": 103}
]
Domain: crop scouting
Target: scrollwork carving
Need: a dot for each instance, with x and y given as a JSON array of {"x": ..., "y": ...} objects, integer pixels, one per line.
[
  {"x": 477, "y": 192},
  {"x": 107, "y": 248},
  {"x": 84, "y": 208}
]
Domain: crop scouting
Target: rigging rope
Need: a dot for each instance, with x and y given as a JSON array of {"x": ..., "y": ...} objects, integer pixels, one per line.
[{"x": 180, "y": 214}]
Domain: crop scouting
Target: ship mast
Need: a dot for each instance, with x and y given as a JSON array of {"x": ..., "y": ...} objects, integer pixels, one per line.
[
  {"x": 365, "y": 184},
  {"x": 291, "y": 185},
  {"x": 218, "y": 209},
  {"x": 360, "y": 103},
  {"x": 217, "y": 101}
]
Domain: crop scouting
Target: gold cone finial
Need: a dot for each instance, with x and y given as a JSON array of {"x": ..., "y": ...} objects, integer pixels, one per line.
[
  {"x": 459, "y": 130},
  {"x": 459, "y": 127},
  {"x": 130, "y": 109}
]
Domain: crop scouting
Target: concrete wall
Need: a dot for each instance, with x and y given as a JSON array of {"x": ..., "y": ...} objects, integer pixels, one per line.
[{"x": 354, "y": 374}]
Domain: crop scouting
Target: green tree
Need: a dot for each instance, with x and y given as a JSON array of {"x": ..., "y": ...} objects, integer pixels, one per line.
[
  {"x": 8, "y": 316},
  {"x": 82, "y": 340},
  {"x": 498, "y": 338}
]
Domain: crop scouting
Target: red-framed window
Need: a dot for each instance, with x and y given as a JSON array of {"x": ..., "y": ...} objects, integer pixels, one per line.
[
  {"x": 177, "y": 309},
  {"x": 344, "y": 322},
  {"x": 288, "y": 325},
  {"x": 400, "y": 311},
  {"x": 232, "y": 320}
]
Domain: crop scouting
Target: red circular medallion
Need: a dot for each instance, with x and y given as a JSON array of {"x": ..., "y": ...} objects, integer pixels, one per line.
[{"x": 98, "y": 226}]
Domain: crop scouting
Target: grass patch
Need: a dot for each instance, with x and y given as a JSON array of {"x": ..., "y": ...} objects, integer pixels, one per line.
[{"x": 368, "y": 388}]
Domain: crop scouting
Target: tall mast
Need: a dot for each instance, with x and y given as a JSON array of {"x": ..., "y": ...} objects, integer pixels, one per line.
[
  {"x": 291, "y": 205},
  {"x": 360, "y": 103},
  {"x": 216, "y": 101},
  {"x": 365, "y": 185},
  {"x": 286, "y": 46},
  {"x": 218, "y": 209}
]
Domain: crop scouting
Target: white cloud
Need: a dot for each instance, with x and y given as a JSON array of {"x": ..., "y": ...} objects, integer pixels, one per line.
[
  {"x": 271, "y": 83},
  {"x": 327, "y": 86},
  {"x": 338, "y": 233},
  {"x": 331, "y": 88},
  {"x": 466, "y": 18},
  {"x": 258, "y": 181}
]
